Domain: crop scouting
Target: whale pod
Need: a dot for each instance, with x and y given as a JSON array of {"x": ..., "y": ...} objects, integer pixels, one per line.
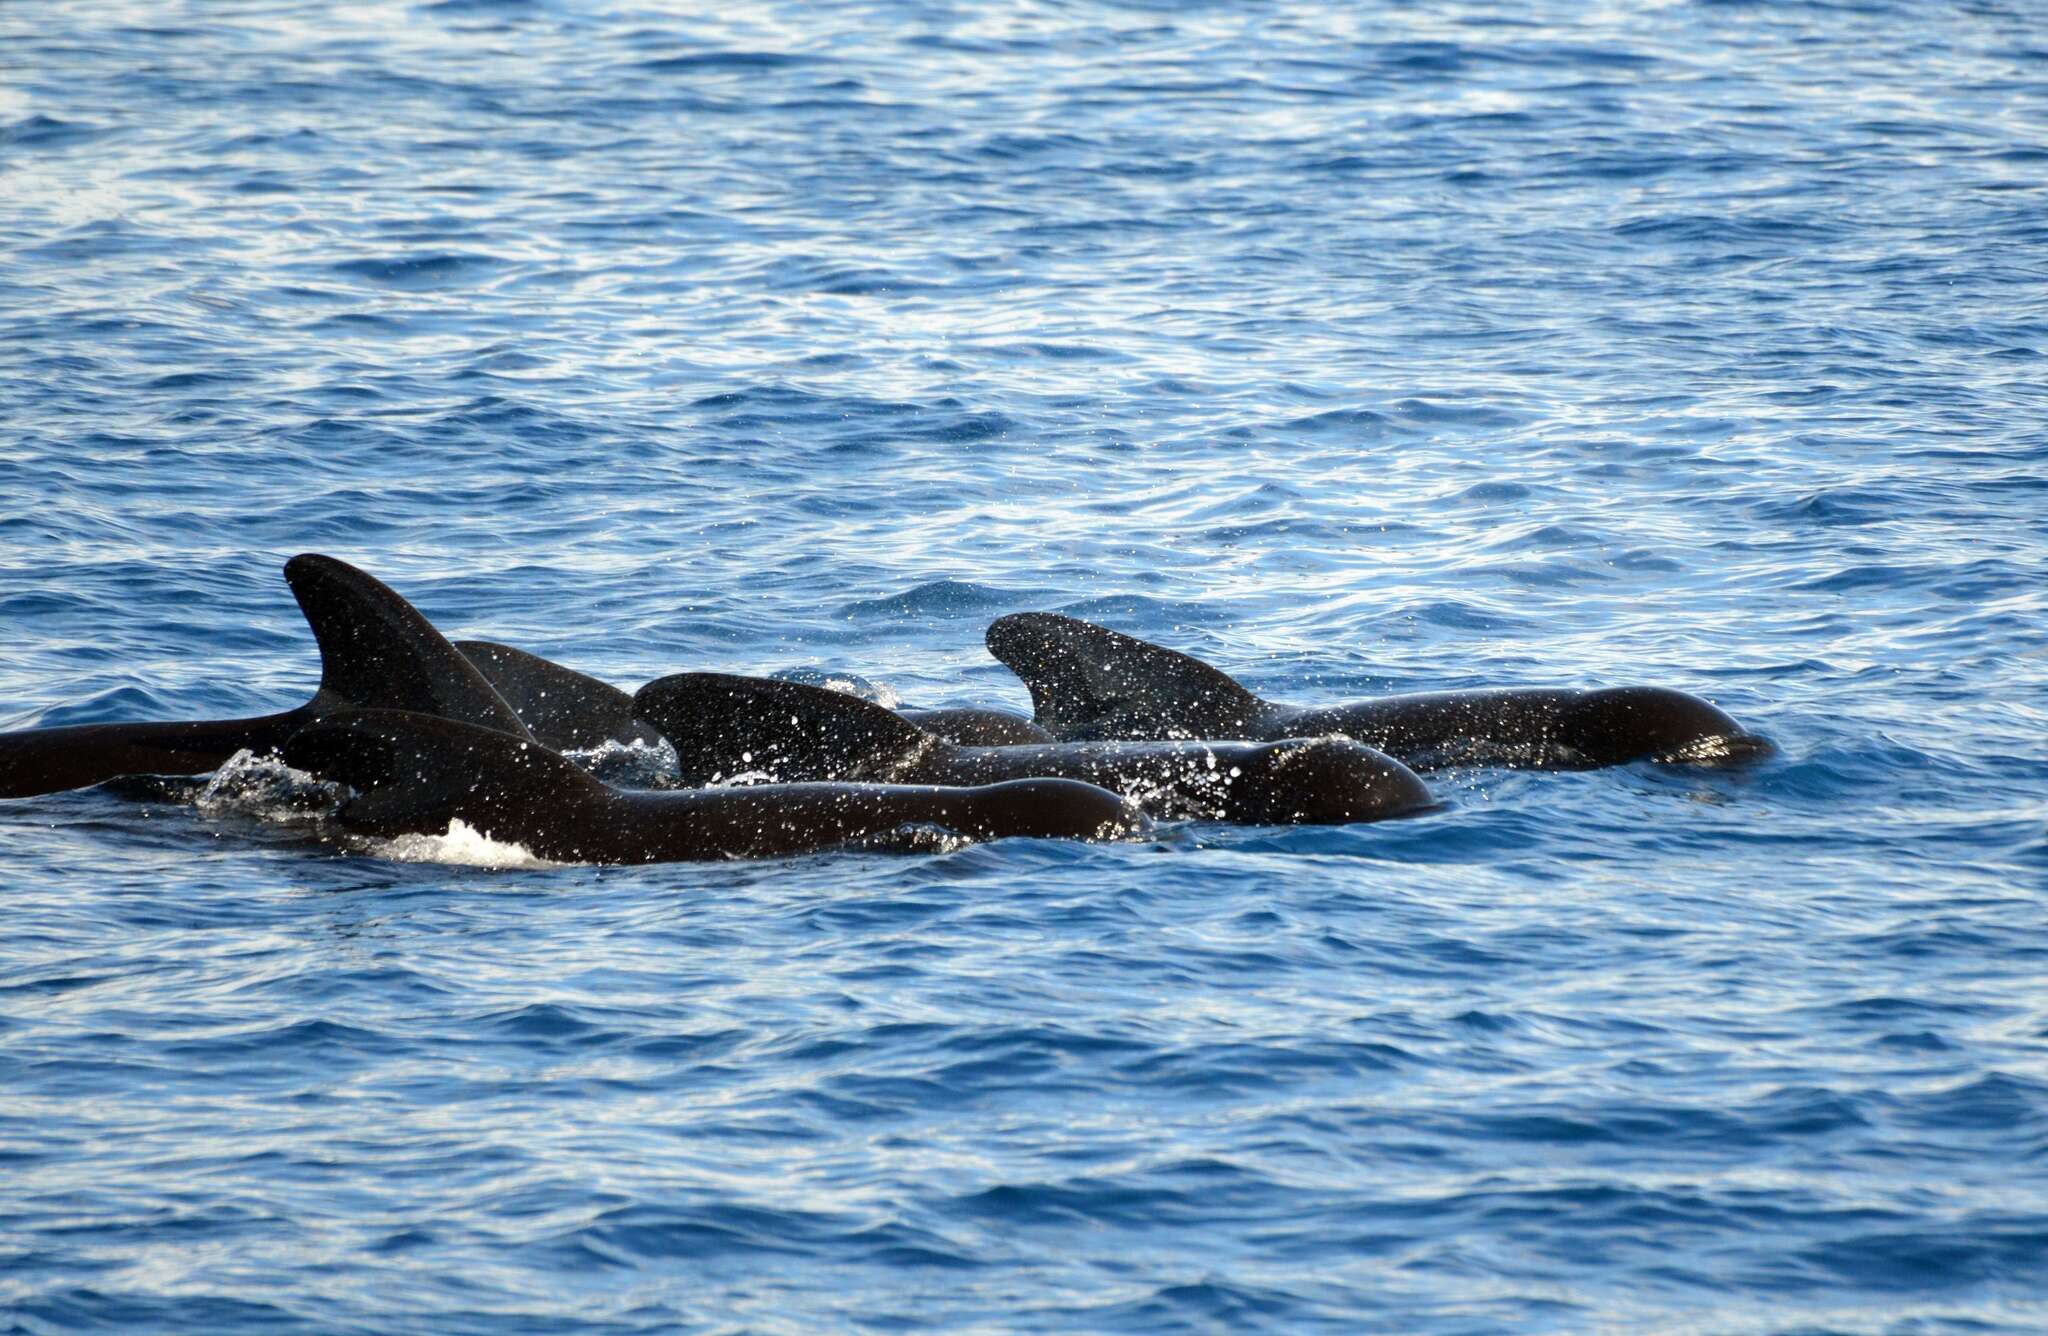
[
  {"x": 414, "y": 774},
  {"x": 721, "y": 725}
]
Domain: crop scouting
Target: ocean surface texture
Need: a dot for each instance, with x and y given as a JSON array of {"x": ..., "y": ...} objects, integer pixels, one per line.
[{"x": 1355, "y": 348}]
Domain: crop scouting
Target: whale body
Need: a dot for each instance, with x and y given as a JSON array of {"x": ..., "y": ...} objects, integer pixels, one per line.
[
  {"x": 414, "y": 774},
  {"x": 572, "y": 711},
  {"x": 721, "y": 725},
  {"x": 376, "y": 650},
  {"x": 564, "y": 709},
  {"x": 1089, "y": 682}
]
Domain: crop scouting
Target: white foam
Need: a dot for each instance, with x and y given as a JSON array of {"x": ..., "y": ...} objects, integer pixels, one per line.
[
  {"x": 462, "y": 846},
  {"x": 610, "y": 747}
]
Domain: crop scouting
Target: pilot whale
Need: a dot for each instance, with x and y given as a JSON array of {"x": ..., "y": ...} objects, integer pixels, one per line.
[
  {"x": 1089, "y": 682},
  {"x": 572, "y": 711},
  {"x": 566, "y": 710},
  {"x": 375, "y": 650},
  {"x": 721, "y": 725},
  {"x": 416, "y": 773}
]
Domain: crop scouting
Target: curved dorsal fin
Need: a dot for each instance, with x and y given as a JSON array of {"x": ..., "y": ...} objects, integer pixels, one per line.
[
  {"x": 721, "y": 724},
  {"x": 566, "y": 710},
  {"x": 1088, "y": 681},
  {"x": 377, "y": 652}
]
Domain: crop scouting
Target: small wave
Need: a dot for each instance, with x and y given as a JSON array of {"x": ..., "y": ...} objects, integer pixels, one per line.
[
  {"x": 963, "y": 428},
  {"x": 110, "y": 707},
  {"x": 1140, "y": 614},
  {"x": 421, "y": 271},
  {"x": 545, "y": 1021},
  {"x": 940, "y": 598},
  {"x": 45, "y": 132},
  {"x": 1996, "y": 1102},
  {"x": 1459, "y": 615},
  {"x": 1493, "y": 493},
  {"x": 727, "y": 61},
  {"x": 1459, "y": 414},
  {"x": 1346, "y": 423}
]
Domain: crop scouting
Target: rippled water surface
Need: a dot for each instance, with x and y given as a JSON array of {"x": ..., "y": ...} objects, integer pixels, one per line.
[{"x": 1354, "y": 348}]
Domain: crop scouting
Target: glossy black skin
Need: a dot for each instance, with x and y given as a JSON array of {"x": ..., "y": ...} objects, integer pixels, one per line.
[
  {"x": 50, "y": 760},
  {"x": 416, "y": 773},
  {"x": 976, "y": 727},
  {"x": 565, "y": 709},
  {"x": 722, "y": 725},
  {"x": 1292, "y": 781},
  {"x": 572, "y": 711},
  {"x": 375, "y": 648},
  {"x": 1089, "y": 682}
]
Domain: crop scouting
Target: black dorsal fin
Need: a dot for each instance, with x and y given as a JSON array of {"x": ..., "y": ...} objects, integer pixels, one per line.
[
  {"x": 565, "y": 709},
  {"x": 416, "y": 772},
  {"x": 721, "y": 725},
  {"x": 1088, "y": 681},
  {"x": 377, "y": 652}
]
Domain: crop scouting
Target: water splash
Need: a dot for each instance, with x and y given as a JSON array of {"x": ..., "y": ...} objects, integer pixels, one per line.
[
  {"x": 264, "y": 787},
  {"x": 460, "y": 846}
]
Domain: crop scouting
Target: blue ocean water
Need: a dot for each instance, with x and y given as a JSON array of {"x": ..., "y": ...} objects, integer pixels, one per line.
[{"x": 1356, "y": 348}]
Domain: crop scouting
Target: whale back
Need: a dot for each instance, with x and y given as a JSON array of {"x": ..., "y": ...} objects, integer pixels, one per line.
[
  {"x": 721, "y": 725},
  {"x": 974, "y": 727},
  {"x": 1089, "y": 682},
  {"x": 564, "y": 709},
  {"x": 378, "y": 652},
  {"x": 414, "y": 773}
]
